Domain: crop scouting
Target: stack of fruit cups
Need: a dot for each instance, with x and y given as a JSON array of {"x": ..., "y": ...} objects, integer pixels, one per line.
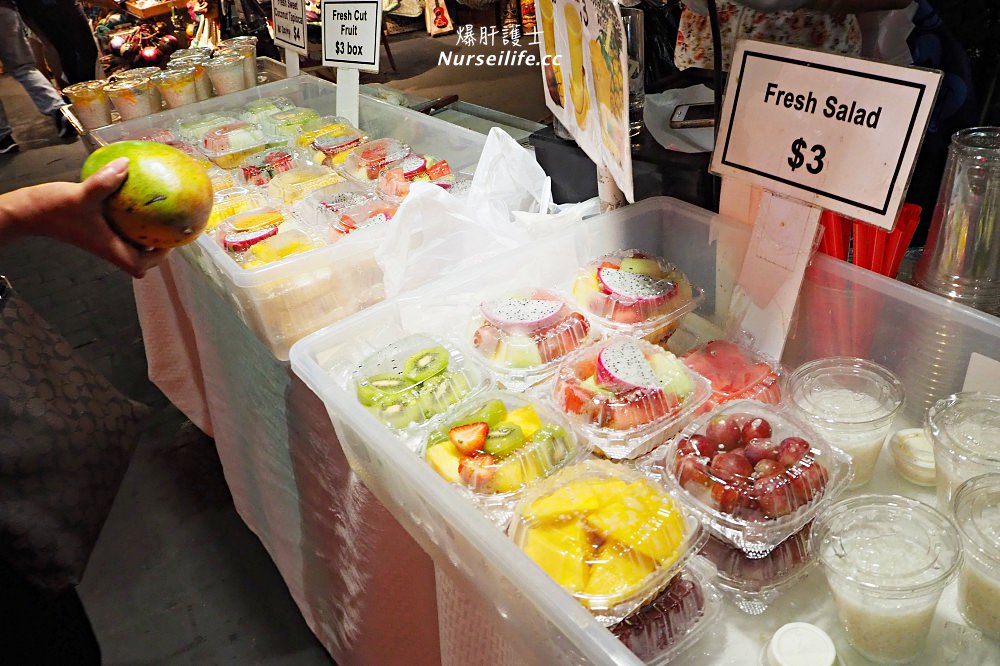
[
  {"x": 754, "y": 472},
  {"x": 177, "y": 86},
  {"x": 753, "y": 584},
  {"x": 292, "y": 186},
  {"x": 608, "y": 535},
  {"x": 681, "y": 614},
  {"x": 365, "y": 162},
  {"x": 735, "y": 372},
  {"x": 627, "y": 395},
  {"x": 977, "y": 512},
  {"x": 202, "y": 84},
  {"x": 416, "y": 380},
  {"x": 246, "y": 45},
  {"x": 497, "y": 445},
  {"x": 965, "y": 432},
  {"x": 133, "y": 98},
  {"x": 631, "y": 292},
  {"x": 91, "y": 105},
  {"x": 523, "y": 334}
]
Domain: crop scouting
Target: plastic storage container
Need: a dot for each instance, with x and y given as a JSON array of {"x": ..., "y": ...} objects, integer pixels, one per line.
[
  {"x": 133, "y": 98},
  {"x": 232, "y": 201},
  {"x": 288, "y": 123},
  {"x": 965, "y": 430},
  {"x": 754, "y": 472},
  {"x": 976, "y": 509},
  {"x": 630, "y": 291},
  {"x": 322, "y": 126},
  {"x": 627, "y": 395},
  {"x": 194, "y": 128},
  {"x": 90, "y": 103},
  {"x": 416, "y": 379},
  {"x": 606, "y": 534},
  {"x": 735, "y": 373},
  {"x": 332, "y": 149},
  {"x": 522, "y": 335},
  {"x": 394, "y": 180},
  {"x": 257, "y": 110},
  {"x": 177, "y": 86}
]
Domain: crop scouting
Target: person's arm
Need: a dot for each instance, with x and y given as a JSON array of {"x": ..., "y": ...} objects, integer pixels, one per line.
[{"x": 72, "y": 213}]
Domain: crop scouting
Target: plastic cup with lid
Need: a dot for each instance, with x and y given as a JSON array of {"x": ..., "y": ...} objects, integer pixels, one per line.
[
  {"x": 965, "y": 431},
  {"x": 887, "y": 558},
  {"x": 133, "y": 98},
  {"x": 246, "y": 45},
  {"x": 226, "y": 73},
  {"x": 91, "y": 105},
  {"x": 203, "y": 85},
  {"x": 852, "y": 402},
  {"x": 977, "y": 511},
  {"x": 800, "y": 644},
  {"x": 177, "y": 86}
]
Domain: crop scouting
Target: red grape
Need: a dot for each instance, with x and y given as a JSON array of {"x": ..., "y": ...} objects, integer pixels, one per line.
[
  {"x": 774, "y": 496},
  {"x": 704, "y": 446},
  {"x": 725, "y": 497},
  {"x": 693, "y": 470},
  {"x": 767, "y": 467},
  {"x": 808, "y": 479},
  {"x": 760, "y": 449},
  {"x": 756, "y": 428},
  {"x": 730, "y": 466},
  {"x": 791, "y": 450},
  {"x": 724, "y": 431}
]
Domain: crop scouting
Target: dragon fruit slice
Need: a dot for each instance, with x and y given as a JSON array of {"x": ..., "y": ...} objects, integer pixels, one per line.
[
  {"x": 634, "y": 286},
  {"x": 622, "y": 366},
  {"x": 518, "y": 315}
]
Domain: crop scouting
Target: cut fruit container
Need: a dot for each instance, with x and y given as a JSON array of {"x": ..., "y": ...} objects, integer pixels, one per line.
[
  {"x": 233, "y": 201},
  {"x": 415, "y": 380},
  {"x": 260, "y": 168},
  {"x": 288, "y": 123},
  {"x": 608, "y": 535},
  {"x": 365, "y": 162},
  {"x": 323, "y": 126},
  {"x": 735, "y": 373},
  {"x": 626, "y": 395},
  {"x": 633, "y": 292},
  {"x": 522, "y": 334},
  {"x": 259, "y": 109},
  {"x": 291, "y": 186},
  {"x": 227, "y": 146},
  {"x": 497, "y": 444},
  {"x": 754, "y": 472},
  {"x": 194, "y": 128}
]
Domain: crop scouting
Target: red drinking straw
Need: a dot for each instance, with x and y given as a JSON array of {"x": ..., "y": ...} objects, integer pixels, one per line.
[
  {"x": 834, "y": 241},
  {"x": 862, "y": 245},
  {"x": 899, "y": 239}
]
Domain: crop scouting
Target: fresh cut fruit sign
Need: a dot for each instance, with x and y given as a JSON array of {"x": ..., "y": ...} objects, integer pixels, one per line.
[{"x": 586, "y": 79}]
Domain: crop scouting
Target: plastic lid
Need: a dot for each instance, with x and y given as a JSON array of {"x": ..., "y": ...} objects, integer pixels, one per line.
[
  {"x": 129, "y": 84},
  {"x": 888, "y": 545},
  {"x": 226, "y": 59},
  {"x": 626, "y": 384},
  {"x": 757, "y": 574},
  {"x": 527, "y": 329},
  {"x": 801, "y": 644},
  {"x": 232, "y": 201},
  {"x": 364, "y": 162},
  {"x": 976, "y": 507},
  {"x": 334, "y": 144},
  {"x": 174, "y": 73},
  {"x": 499, "y": 443},
  {"x": 735, "y": 372},
  {"x": 967, "y": 425},
  {"x": 240, "y": 241},
  {"x": 364, "y": 214},
  {"x": 137, "y": 73},
  {"x": 289, "y": 121},
  {"x": 293, "y": 185},
  {"x": 845, "y": 390},
  {"x": 259, "y": 169},
  {"x": 85, "y": 87},
  {"x": 318, "y": 127},
  {"x": 605, "y": 533},
  {"x": 233, "y": 137},
  {"x": 257, "y": 218},
  {"x": 913, "y": 454},
  {"x": 281, "y": 246},
  {"x": 395, "y": 179},
  {"x": 267, "y": 105},
  {"x": 196, "y": 128},
  {"x": 629, "y": 289},
  {"x": 414, "y": 380}
]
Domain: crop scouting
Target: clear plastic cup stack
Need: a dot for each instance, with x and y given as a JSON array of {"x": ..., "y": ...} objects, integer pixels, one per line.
[
  {"x": 226, "y": 73},
  {"x": 177, "y": 86}
]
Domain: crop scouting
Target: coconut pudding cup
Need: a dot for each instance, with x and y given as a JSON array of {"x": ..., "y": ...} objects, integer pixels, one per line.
[
  {"x": 965, "y": 431},
  {"x": 90, "y": 102},
  {"x": 976, "y": 509}
]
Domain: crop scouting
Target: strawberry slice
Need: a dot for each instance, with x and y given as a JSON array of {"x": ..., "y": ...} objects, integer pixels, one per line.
[
  {"x": 438, "y": 170},
  {"x": 477, "y": 471},
  {"x": 469, "y": 438}
]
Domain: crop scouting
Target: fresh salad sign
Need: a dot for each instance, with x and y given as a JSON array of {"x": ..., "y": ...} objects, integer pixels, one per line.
[
  {"x": 585, "y": 71},
  {"x": 836, "y": 132}
]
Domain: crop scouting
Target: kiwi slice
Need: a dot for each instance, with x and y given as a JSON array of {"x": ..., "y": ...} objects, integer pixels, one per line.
[
  {"x": 398, "y": 410},
  {"x": 378, "y": 386},
  {"x": 549, "y": 446},
  {"x": 504, "y": 439},
  {"x": 441, "y": 392},
  {"x": 425, "y": 364}
]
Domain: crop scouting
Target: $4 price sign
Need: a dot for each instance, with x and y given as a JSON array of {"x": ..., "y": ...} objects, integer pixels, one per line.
[{"x": 815, "y": 164}]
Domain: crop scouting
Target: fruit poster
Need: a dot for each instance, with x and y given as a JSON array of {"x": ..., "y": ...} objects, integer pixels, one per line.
[{"x": 585, "y": 73}]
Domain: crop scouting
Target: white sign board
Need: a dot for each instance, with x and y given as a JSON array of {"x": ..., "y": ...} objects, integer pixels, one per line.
[
  {"x": 290, "y": 24},
  {"x": 836, "y": 132},
  {"x": 352, "y": 33}
]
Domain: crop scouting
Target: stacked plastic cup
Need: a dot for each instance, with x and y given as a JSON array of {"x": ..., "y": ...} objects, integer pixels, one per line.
[
  {"x": 248, "y": 47},
  {"x": 177, "y": 86},
  {"x": 203, "y": 86},
  {"x": 226, "y": 73}
]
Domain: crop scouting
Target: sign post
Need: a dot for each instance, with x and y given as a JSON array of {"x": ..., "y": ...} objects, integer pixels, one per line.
[
  {"x": 289, "y": 18},
  {"x": 352, "y": 34},
  {"x": 815, "y": 131}
]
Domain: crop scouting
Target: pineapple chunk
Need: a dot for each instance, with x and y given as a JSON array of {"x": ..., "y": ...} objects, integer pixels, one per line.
[
  {"x": 616, "y": 572},
  {"x": 527, "y": 418},
  {"x": 444, "y": 458},
  {"x": 561, "y": 550}
]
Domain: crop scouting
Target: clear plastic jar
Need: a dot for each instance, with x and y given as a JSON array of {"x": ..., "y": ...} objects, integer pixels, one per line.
[
  {"x": 226, "y": 73},
  {"x": 177, "y": 86},
  {"x": 887, "y": 558},
  {"x": 202, "y": 84},
  {"x": 977, "y": 511},
  {"x": 133, "y": 98},
  {"x": 852, "y": 402},
  {"x": 91, "y": 105}
]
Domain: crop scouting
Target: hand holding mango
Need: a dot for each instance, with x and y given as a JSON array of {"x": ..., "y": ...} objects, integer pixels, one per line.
[{"x": 165, "y": 200}]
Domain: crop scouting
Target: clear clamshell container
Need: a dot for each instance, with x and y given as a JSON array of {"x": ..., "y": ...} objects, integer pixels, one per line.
[
  {"x": 852, "y": 403},
  {"x": 606, "y": 534},
  {"x": 332, "y": 148},
  {"x": 90, "y": 102},
  {"x": 523, "y": 334},
  {"x": 280, "y": 246},
  {"x": 678, "y": 617},
  {"x": 416, "y": 380},
  {"x": 754, "y": 472},
  {"x": 965, "y": 431},
  {"x": 322, "y": 126},
  {"x": 257, "y": 110},
  {"x": 627, "y": 395},
  {"x": 232, "y": 201},
  {"x": 230, "y": 145},
  {"x": 498, "y": 444},
  {"x": 976, "y": 509},
  {"x": 735, "y": 373},
  {"x": 260, "y": 168},
  {"x": 242, "y": 231},
  {"x": 395, "y": 179},
  {"x": 292, "y": 186},
  {"x": 887, "y": 558},
  {"x": 194, "y": 129},
  {"x": 630, "y": 291},
  {"x": 288, "y": 123},
  {"x": 365, "y": 162}
]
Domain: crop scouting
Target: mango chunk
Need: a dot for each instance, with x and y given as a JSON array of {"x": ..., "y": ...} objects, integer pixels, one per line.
[
  {"x": 561, "y": 550},
  {"x": 617, "y": 571}
]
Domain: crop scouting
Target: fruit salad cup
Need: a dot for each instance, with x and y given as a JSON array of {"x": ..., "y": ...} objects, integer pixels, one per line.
[
  {"x": 395, "y": 179},
  {"x": 498, "y": 444},
  {"x": 523, "y": 334},
  {"x": 365, "y": 162},
  {"x": 612, "y": 538},
  {"x": 260, "y": 168},
  {"x": 627, "y": 395},
  {"x": 633, "y": 292},
  {"x": 735, "y": 372},
  {"x": 292, "y": 186},
  {"x": 681, "y": 614},
  {"x": 416, "y": 380},
  {"x": 754, "y": 472}
]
